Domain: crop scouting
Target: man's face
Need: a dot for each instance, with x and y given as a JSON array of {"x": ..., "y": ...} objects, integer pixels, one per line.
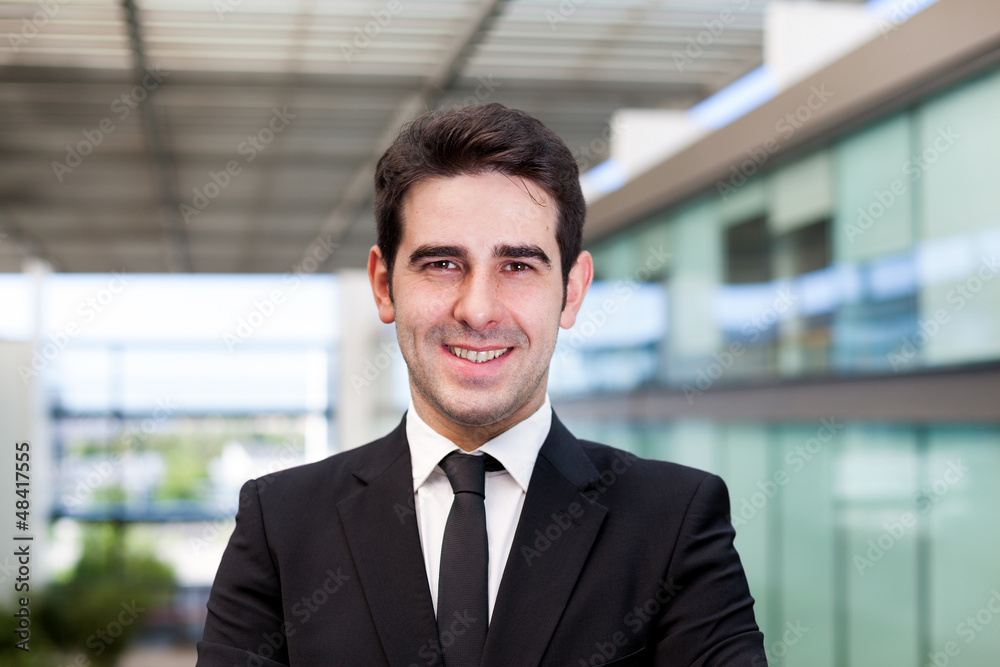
[{"x": 477, "y": 296}]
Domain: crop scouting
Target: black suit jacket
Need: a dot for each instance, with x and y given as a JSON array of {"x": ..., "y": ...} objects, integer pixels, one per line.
[{"x": 616, "y": 560}]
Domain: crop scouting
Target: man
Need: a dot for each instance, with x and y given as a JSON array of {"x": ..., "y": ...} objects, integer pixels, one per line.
[{"x": 537, "y": 549}]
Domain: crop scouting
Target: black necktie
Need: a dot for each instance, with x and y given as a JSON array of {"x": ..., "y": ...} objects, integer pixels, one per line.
[{"x": 463, "y": 594}]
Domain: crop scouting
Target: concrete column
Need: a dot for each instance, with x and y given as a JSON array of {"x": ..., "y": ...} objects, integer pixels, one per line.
[
  {"x": 23, "y": 420},
  {"x": 368, "y": 357}
]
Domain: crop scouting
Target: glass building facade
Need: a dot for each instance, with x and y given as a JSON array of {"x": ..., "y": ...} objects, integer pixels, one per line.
[
  {"x": 872, "y": 255},
  {"x": 876, "y": 253}
]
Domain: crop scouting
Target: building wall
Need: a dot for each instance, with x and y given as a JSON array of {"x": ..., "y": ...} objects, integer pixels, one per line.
[
  {"x": 876, "y": 253},
  {"x": 866, "y": 543}
]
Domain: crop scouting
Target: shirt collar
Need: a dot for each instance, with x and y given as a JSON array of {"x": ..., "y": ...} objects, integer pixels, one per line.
[{"x": 516, "y": 448}]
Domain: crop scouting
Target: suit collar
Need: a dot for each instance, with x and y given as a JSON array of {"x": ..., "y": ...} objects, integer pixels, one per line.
[
  {"x": 381, "y": 529},
  {"x": 554, "y": 536},
  {"x": 382, "y": 454},
  {"x": 566, "y": 455}
]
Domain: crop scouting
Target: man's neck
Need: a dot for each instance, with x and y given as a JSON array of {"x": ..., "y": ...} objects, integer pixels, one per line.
[{"x": 471, "y": 437}]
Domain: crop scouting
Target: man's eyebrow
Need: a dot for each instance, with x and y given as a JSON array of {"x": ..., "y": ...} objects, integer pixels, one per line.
[
  {"x": 425, "y": 251},
  {"x": 522, "y": 252}
]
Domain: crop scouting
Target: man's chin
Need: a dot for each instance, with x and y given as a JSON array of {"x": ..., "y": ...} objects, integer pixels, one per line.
[
  {"x": 475, "y": 417},
  {"x": 484, "y": 413}
]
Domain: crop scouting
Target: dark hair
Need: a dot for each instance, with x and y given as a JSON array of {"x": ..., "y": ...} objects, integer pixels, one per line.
[{"x": 475, "y": 140}]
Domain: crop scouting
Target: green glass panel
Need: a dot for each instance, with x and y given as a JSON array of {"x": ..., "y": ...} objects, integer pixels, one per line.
[
  {"x": 959, "y": 142},
  {"x": 806, "y": 547},
  {"x": 744, "y": 203},
  {"x": 614, "y": 259},
  {"x": 690, "y": 442},
  {"x": 960, "y": 498},
  {"x": 800, "y": 192},
  {"x": 874, "y": 211},
  {"x": 696, "y": 275},
  {"x": 656, "y": 249},
  {"x": 747, "y": 468},
  {"x": 956, "y": 159},
  {"x": 877, "y": 480}
]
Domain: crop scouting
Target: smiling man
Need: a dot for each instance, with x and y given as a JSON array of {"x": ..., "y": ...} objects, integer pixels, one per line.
[{"x": 481, "y": 531}]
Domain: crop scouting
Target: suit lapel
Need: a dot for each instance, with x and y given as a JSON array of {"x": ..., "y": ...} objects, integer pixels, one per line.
[
  {"x": 554, "y": 535},
  {"x": 381, "y": 529}
]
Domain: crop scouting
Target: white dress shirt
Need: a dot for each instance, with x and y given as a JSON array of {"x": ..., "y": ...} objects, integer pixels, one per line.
[{"x": 516, "y": 448}]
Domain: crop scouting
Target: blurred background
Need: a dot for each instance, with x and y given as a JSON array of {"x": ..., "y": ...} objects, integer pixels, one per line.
[{"x": 794, "y": 215}]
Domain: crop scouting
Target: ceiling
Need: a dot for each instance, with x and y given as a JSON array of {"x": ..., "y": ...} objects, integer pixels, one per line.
[{"x": 233, "y": 135}]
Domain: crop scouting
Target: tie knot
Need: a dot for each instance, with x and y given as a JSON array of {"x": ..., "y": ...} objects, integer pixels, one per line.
[{"x": 467, "y": 473}]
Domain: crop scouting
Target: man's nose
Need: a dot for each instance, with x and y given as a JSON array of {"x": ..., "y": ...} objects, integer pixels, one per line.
[{"x": 479, "y": 305}]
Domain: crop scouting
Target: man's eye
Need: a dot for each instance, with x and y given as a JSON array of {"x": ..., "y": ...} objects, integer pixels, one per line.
[
  {"x": 442, "y": 264},
  {"x": 518, "y": 266}
]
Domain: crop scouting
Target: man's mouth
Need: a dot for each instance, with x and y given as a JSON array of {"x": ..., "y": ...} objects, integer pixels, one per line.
[{"x": 477, "y": 357}]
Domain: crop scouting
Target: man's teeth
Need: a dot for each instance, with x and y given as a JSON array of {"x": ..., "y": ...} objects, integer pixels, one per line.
[{"x": 477, "y": 357}]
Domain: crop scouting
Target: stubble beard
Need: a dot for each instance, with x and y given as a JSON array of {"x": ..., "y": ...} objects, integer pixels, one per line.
[{"x": 493, "y": 406}]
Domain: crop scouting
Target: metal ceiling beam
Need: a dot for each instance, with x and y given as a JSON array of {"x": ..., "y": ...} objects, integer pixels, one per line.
[
  {"x": 346, "y": 113},
  {"x": 358, "y": 192},
  {"x": 178, "y": 250},
  {"x": 255, "y": 247}
]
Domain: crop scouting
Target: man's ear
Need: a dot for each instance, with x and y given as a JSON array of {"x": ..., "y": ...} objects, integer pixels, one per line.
[
  {"x": 378, "y": 275},
  {"x": 580, "y": 277}
]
